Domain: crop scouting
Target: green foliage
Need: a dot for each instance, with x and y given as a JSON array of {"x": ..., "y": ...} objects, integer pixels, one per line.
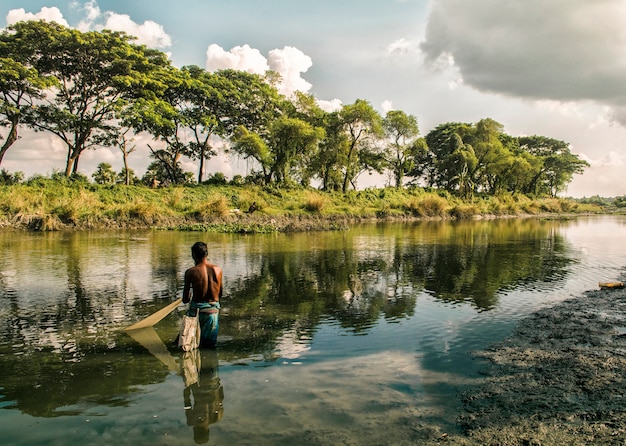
[
  {"x": 7, "y": 178},
  {"x": 217, "y": 178},
  {"x": 104, "y": 174},
  {"x": 401, "y": 131},
  {"x": 121, "y": 177},
  {"x": 429, "y": 206},
  {"x": 92, "y": 89},
  {"x": 96, "y": 74},
  {"x": 52, "y": 204},
  {"x": 314, "y": 203}
]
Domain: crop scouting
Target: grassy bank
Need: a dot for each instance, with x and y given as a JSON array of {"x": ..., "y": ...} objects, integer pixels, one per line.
[{"x": 50, "y": 205}]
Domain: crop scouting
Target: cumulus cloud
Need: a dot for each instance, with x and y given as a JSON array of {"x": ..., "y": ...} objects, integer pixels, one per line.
[
  {"x": 288, "y": 62},
  {"x": 330, "y": 106},
  {"x": 92, "y": 12},
  {"x": 48, "y": 14},
  {"x": 562, "y": 50},
  {"x": 243, "y": 58},
  {"x": 148, "y": 33}
]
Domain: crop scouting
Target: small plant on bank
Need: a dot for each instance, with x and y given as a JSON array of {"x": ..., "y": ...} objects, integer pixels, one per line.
[
  {"x": 314, "y": 203},
  {"x": 431, "y": 206}
]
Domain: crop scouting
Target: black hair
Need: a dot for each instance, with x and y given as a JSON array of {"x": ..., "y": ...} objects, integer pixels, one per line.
[{"x": 199, "y": 250}]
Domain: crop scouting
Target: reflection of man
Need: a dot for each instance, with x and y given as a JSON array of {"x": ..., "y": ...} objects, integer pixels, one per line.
[
  {"x": 205, "y": 280},
  {"x": 202, "y": 385}
]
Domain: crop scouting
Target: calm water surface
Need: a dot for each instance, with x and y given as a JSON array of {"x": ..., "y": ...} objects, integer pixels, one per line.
[{"x": 355, "y": 337}]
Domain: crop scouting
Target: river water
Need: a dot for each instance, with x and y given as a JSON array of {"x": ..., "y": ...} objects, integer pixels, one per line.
[{"x": 353, "y": 337}]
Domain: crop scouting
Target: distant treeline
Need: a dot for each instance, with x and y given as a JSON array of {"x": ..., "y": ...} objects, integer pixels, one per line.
[{"x": 99, "y": 89}]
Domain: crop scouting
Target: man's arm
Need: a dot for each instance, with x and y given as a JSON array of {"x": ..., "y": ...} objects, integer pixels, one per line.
[{"x": 186, "y": 288}]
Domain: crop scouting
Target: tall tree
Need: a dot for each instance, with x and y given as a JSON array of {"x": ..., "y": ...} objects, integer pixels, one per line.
[
  {"x": 490, "y": 155},
  {"x": 401, "y": 130},
  {"x": 328, "y": 163},
  {"x": 205, "y": 112},
  {"x": 21, "y": 84},
  {"x": 250, "y": 145},
  {"x": 555, "y": 167},
  {"x": 125, "y": 143},
  {"x": 254, "y": 106},
  {"x": 453, "y": 160},
  {"x": 97, "y": 72},
  {"x": 294, "y": 144},
  {"x": 363, "y": 128}
]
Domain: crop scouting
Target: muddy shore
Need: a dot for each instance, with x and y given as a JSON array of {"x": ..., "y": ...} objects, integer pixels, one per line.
[{"x": 559, "y": 379}]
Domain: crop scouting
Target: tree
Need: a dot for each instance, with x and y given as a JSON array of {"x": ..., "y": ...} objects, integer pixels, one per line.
[
  {"x": 104, "y": 174},
  {"x": 159, "y": 173},
  {"x": 205, "y": 112},
  {"x": 250, "y": 145},
  {"x": 252, "y": 102},
  {"x": 481, "y": 157},
  {"x": 363, "y": 127},
  {"x": 401, "y": 130},
  {"x": 261, "y": 128},
  {"x": 97, "y": 73},
  {"x": 555, "y": 167},
  {"x": 328, "y": 162},
  {"x": 124, "y": 143},
  {"x": 452, "y": 158},
  {"x": 127, "y": 177},
  {"x": 21, "y": 84},
  {"x": 491, "y": 155},
  {"x": 294, "y": 143}
]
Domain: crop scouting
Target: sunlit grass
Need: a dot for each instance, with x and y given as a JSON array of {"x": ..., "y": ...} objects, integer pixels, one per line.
[{"x": 49, "y": 205}]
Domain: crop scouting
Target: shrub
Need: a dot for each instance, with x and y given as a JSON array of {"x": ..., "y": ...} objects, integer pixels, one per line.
[
  {"x": 464, "y": 211},
  {"x": 432, "y": 206},
  {"x": 314, "y": 203},
  {"x": 217, "y": 206}
]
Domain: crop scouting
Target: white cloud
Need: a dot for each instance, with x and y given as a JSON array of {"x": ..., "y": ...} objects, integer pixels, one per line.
[
  {"x": 289, "y": 62},
  {"x": 48, "y": 14},
  {"x": 92, "y": 12},
  {"x": 610, "y": 159},
  {"x": 330, "y": 106},
  {"x": 148, "y": 33},
  {"x": 243, "y": 58}
]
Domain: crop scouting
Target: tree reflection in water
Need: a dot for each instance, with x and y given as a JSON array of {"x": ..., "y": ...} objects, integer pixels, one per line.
[{"x": 62, "y": 349}]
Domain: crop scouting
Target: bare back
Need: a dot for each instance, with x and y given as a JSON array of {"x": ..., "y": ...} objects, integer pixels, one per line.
[{"x": 204, "y": 281}]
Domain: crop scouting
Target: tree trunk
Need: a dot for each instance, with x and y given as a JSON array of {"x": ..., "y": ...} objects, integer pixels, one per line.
[
  {"x": 126, "y": 173},
  {"x": 201, "y": 169},
  {"x": 11, "y": 138}
]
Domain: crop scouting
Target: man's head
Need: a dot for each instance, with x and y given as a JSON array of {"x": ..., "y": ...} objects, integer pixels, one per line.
[{"x": 199, "y": 251}]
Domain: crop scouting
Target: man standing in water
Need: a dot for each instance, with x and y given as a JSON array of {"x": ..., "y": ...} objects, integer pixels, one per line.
[{"x": 204, "y": 280}]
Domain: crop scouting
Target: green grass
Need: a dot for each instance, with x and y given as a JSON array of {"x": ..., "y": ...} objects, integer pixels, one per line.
[{"x": 53, "y": 205}]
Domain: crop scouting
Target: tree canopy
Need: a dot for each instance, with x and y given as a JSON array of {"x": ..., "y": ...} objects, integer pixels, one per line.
[{"x": 100, "y": 89}]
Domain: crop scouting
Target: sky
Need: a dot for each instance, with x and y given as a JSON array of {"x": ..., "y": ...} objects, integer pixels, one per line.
[{"x": 553, "y": 68}]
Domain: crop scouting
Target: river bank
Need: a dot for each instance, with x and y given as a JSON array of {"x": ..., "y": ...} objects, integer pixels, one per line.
[
  {"x": 559, "y": 379},
  {"x": 49, "y": 205}
]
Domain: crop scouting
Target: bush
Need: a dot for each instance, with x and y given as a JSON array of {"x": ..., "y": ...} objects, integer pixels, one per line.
[
  {"x": 464, "y": 211},
  {"x": 314, "y": 203},
  {"x": 432, "y": 206},
  {"x": 7, "y": 178},
  {"x": 217, "y": 179}
]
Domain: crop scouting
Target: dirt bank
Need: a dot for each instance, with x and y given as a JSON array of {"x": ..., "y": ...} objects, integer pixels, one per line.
[{"x": 560, "y": 379}]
